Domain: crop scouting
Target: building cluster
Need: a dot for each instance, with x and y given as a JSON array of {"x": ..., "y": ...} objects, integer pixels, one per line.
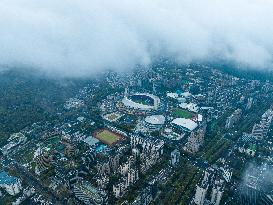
[
  {"x": 146, "y": 152},
  {"x": 247, "y": 143},
  {"x": 129, "y": 175},
  {"x": 12, "y": 185},
  {"x": 175, "y": 157},
  {"x": 88, "y": 194},
  {"x": 249, "y": 103},
  {"x": 14, "y": 141},
  {"x": 260, "y": 130},
  {"x": 222, "y": 92},
  {"x": 256, "y": 188},
  {"x": 103, "y": 143},
  {"x": 233, "y": 118},
  {"x": 149, "y": 150},
  {"x": 146, "y": 196},
  {"x": 73, "y": 103},
  {"x": 195, "y": 140},
  {"x": 43, "y": 162},
  {"x": 211, "y": 188}
]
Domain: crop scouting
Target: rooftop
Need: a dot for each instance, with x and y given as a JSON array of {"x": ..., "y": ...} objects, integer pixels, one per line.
[
  {"x": 185, "y": 123},
  {"x": 155, "y": 119},
  {"x": 5, "y": 179}
]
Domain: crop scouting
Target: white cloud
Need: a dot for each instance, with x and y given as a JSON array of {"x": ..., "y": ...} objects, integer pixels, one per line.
[{"x": 82, "y": 37}]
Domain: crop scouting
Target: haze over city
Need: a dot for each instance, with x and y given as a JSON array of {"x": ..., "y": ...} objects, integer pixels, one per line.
[
  {"x": 80, "y": 38},
  {"x": 144, "y": 102}
]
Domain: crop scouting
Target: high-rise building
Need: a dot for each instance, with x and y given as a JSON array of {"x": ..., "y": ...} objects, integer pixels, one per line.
[
  {"x": 231, "y": 120},
  {"x": 260, "y": 130},
  {"x": 200, "y": 194},
  {"x": 201, "y": 190},
  {"x": 175, "y": 155},
  {"x": 195, "y": 140},
  {"x": 114, "y": 162},
  {"x": 249, "y": 103},
  {"x": 213, "y": 183},
  {"x": 89, "y": 195},
  {"x": 43, "y": 162},
  {"x": 217, "y": 192}
]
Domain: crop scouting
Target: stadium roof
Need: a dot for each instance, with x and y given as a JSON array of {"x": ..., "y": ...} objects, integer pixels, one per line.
[
  {"x": 130, "y": 103},
  {"x": 189, "y": 106},
  {"x": 185, "y": 123},
  {"x": 155, "y": 119}
]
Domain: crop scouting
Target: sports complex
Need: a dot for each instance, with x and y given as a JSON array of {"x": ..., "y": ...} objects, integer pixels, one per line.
[
  {"x": 179, "y": 112},
  {"x": 141, "y": 101},
  {"x": 108, "y": 137}
]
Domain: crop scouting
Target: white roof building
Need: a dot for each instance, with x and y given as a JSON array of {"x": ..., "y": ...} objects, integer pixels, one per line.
[
  {"x": 189, "y": 106},
  {"x": 155, "y": 119},
  {"x": 185, "y": 123},
  {"x": 172, "y": 95},
  {"x": 186, "y": 94},
  {"x": 199, "y": 118},
  {"x": 181, "y": 100},
  {"x": 10, "y": 183}
]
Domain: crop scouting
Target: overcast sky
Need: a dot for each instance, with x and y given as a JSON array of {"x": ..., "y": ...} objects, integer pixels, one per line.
[{"x": 82, "y": 37}]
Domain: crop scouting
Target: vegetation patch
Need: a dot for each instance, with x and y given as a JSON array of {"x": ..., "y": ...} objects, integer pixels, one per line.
[{"x": 183, "y": 113}]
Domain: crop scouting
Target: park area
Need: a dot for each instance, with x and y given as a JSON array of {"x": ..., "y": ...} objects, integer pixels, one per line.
[
  {"x": 107, "y": 137},
  {"x": 178, "y": 112}
]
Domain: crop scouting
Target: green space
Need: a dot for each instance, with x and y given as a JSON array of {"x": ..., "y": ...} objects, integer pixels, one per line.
[
  {"x": 182, "y": 113},
  {"x": 181, "y": 185},
  {"x": 54, "y": 140},
  {"x": 142, "y": 99}
]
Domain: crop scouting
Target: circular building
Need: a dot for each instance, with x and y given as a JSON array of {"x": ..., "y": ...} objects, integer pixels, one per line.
[
  {"x": 141, "y": 101},
  {"x": 154, "y": 122}
]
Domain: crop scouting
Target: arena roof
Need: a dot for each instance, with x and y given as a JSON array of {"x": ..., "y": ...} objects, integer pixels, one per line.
[
  {"x": 189, "y": 106},
  {"x": 172, "y": 95},
  {"x": 130, "y": 103},
  {"x": 185, "y": 123},
  {"x": 155, "y": 119}
]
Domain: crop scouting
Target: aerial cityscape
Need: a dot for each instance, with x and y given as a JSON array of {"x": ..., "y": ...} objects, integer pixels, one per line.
[
  {"x": 136, "y": 103},
  {"x": 169, "y": 135}
]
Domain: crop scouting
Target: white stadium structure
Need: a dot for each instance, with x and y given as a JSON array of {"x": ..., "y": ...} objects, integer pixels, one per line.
[
  {"x": 141, "y": 101},
  {"x": 154, "y": 122},
  {"x": 185, "y": 124}
]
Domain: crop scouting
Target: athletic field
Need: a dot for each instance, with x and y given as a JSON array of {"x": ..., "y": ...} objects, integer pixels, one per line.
[
  {"x": 182, "y": 113},
  {"x": 107, "y": 137}
]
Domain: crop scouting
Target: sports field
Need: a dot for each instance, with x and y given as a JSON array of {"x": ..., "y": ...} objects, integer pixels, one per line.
[
  {"x": 107, "y": 137},
  {"x": 142, "y": 99},
  {"x": 182, "y": 113}
]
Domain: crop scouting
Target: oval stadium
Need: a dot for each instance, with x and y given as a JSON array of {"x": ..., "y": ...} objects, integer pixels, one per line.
[{"x": 141, "y": 101}]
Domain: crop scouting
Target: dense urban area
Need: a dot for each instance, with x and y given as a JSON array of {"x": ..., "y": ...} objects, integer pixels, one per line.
[{"x": 166, "y": 134}]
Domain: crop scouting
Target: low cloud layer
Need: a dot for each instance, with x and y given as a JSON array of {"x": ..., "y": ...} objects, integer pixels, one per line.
[{"x": 82, "y": 37}]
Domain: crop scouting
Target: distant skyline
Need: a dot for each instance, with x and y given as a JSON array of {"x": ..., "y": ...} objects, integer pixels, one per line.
[{"x": 80, "y": 38}]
